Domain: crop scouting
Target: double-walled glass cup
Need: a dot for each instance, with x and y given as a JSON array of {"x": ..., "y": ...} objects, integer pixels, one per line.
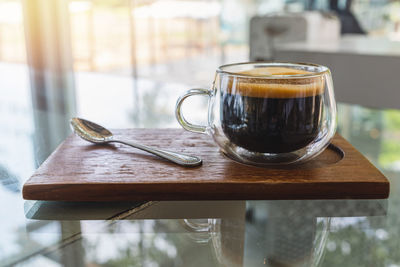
[{"x": 268, "y": 113}]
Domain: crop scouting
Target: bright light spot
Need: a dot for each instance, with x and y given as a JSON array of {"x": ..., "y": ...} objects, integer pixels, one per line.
[
  {"x": 381, "y": 234},
  {"x": 163, "y": 245},
  {"x": 346, "y": 248},
  {"x": 79, "y": 6},
  {"x": 10, "y": 12},
  {"x": 174, "y": 9},
  {"x": 331, "y": 246}
]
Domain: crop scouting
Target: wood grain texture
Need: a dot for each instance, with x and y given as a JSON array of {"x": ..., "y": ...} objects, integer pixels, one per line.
[{"x": 80, "y": 171}]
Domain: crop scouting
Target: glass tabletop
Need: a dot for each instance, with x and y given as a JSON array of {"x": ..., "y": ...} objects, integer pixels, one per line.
[{"x": 123, "y": 64}]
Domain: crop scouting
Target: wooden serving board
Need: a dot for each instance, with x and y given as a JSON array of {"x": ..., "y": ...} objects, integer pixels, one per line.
[{"x": 81, "y": 171}]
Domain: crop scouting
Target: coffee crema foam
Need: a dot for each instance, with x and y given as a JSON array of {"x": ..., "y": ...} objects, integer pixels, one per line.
[
  {"x": 274, "y": 87},
  {"x": 272, "y": 71}
]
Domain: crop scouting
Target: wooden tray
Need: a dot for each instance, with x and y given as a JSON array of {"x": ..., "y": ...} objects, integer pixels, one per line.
[{"x": 80, "y": 171}]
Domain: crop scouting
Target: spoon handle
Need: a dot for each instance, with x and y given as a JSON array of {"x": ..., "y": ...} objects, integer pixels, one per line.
[{"x": 181, "y": 159}]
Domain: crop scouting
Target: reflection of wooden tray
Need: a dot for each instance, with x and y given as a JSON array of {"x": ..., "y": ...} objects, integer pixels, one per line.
[
  {"x": 80, "y": 171},
  {"x": 67, "y": 210}
]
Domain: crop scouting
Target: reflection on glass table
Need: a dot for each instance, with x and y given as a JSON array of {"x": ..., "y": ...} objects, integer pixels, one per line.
[{"x": 227, "y": 233}]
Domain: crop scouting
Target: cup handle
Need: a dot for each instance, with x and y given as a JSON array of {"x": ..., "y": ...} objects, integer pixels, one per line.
[
  {"x": 197, "y": 227},
  {"x": 178, "y": 110}
]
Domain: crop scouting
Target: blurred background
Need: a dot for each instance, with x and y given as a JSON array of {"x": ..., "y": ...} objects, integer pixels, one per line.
[{"x": 123, "y": 63}]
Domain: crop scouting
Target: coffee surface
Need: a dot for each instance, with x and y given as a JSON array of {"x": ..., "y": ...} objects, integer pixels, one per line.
[
  {"x": 274, "y": 71},
  {"x": 271, "y": 115},
  {"x": 275, "y": 82}
]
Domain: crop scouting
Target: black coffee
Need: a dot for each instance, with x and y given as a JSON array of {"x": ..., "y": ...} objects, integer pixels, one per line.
[{"x": 271, "y": 118}]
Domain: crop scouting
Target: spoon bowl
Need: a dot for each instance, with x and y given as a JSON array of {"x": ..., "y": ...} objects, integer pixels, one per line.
[{"x": 90, "y": 131}]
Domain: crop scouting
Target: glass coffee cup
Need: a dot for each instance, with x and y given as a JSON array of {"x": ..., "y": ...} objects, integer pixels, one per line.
[{"x": 268, "y": 113}]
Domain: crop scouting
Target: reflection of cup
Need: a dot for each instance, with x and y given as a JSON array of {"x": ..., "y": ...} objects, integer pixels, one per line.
[
  {"x": 268, "y": 113},
  {"x": 296, "y": 241},
  {"x": 199, "y": 229},
  {"x": 281, "y": 241},
  {"x": 227, "y": 237}
]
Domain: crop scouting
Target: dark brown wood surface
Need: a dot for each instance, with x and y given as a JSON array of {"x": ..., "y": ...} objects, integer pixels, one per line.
[{"x": 81, "y": 171}]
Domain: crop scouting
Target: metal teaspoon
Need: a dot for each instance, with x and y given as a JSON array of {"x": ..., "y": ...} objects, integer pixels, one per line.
[{"x": 97, "y": 134}]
